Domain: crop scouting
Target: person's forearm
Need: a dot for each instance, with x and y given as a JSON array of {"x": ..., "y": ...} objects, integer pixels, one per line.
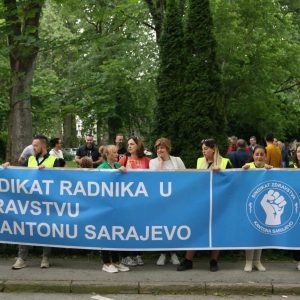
[
  {"x": 77, "y": 160},
  {"x": 97, "y": 162}
]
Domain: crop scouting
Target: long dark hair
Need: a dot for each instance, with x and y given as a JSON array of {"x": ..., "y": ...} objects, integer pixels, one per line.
[
  {"x": 54, "y": 141},
  {"x": 140, "y": 147},
  {"x": 295, "y": 159}
]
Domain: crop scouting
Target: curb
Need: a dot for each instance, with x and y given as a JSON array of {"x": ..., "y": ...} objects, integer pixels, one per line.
[
  {"x": 48, "y": 286},
  {"x": 287, "y": 288},
  {"x": 172, "y": 288},
  {"x": 239, "y": 288},
  {"x": 86, "y": 287},
  {"x": 162, "y": 288}
]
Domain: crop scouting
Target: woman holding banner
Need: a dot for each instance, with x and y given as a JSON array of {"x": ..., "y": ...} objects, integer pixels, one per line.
[
  {"x": 164, "y": 161},
  {"x": 111, "y": 263},
  {"x": 259, "y": 158},
  {"x": 134, "y": 158},
  {"x": 211, "y": 160}
]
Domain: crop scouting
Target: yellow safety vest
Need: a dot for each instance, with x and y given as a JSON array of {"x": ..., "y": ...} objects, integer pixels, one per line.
[
  {"x": 224, "y": 162},
  {"x": 48, "y": 162},
  {"x": 251, "y": 165}
]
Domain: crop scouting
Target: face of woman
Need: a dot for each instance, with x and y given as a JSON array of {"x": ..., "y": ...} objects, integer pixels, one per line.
[
  {"x": 113, "y": 155},
  {"x": 208, "y": 152},
  {"x": 58, "y": 145},
  {"x": 298, "y": 153},
  {"x": 132, "y": 147},
  {"x": 259, "y": 157},
  {"x": 162, "y": 152}
]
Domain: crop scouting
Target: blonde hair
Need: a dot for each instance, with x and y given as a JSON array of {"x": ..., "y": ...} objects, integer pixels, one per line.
[
  {"x": 217, "y": 159},
  {"x": 106, "y": 150}
]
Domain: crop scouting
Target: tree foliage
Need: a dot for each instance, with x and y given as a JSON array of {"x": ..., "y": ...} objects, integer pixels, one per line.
[
  {"x": 259, "y": 57},
  {"x": 101, "y": 63},
  {"x": 190, "y": 100},
  {"x": 225, "y": 67},
  {"x": 203, "y": 107},
  {"x": 171, "y": 76}
]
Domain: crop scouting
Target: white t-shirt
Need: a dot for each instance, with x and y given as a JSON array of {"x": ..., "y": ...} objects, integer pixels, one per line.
[
  {"x": 57, "y": 154},
  {"x": 28, "y": 151}
]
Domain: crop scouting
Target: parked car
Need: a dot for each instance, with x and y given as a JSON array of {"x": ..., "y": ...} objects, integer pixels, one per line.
[{"x": 71, "y": 151}]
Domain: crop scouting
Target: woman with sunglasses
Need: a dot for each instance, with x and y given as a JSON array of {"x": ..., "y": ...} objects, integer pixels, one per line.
[
  {"x": 211, "y": 160},
  {"x": 134, "y": 158},
  {"x": 258, "y": 161}
]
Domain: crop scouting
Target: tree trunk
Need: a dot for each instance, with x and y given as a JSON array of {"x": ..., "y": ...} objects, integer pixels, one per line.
[
  {"x": 20, "y": 119},
  {"x": 156, "y": 9},
  {"x": 69, "y": 134},
  {"x": 102, "y": 130},
  {"x": 22, "y": 23}
]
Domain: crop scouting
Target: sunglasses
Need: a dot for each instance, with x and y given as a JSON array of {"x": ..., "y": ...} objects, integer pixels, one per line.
[{"x": 208, "y": 141}]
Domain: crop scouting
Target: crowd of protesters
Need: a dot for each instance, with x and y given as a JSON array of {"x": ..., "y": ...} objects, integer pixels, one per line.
[{"x": 133, "y": 156}]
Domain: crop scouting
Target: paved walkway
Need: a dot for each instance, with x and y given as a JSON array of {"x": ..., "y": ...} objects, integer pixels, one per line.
[{"x": 82, "y": 275}]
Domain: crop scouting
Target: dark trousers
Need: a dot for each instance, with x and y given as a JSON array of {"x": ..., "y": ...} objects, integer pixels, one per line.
[
  {"x": 110, "y": 257},
  {"x": 126, "y": 253},
  {"x": 296, "y": 255}
]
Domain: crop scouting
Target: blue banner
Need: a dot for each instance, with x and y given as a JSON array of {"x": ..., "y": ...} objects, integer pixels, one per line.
[
  {"x": 150, "y": 210},
  {"x": 99, "y": 209},
  {"x": 255, "y": 209}
]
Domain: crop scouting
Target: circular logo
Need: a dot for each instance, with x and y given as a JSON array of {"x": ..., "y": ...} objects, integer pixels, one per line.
[{"x": 273, "y": 207}]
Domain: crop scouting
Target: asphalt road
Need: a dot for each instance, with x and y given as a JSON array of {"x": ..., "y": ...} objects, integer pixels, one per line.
[{"x": 38, "y": 296}]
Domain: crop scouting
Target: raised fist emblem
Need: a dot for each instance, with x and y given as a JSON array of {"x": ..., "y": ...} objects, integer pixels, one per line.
[{"x": 273, "y": 204}]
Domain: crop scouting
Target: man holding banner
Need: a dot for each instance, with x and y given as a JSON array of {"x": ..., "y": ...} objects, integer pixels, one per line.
[{"x": 41, "y": 159}]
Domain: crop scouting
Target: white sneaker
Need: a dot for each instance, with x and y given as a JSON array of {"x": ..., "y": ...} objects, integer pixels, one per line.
[
  {"x": 174, "y": 259},
  {"x": 121, "y": 267},
  {"x": 298, "y": 266},
  {"x": 139, "y": 260},
  {"x": 45, "y": 262},
  {"x": 128, "y": 261},
  {"x": 258, "y": 266},
  {"x": 110, "y": 268},
  {"x": 161, "y": 260},
  {"x": 19, "y": 264},
  {"x": 248, "y": 266}
]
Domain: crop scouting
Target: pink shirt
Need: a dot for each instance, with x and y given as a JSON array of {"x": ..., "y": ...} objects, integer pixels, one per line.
[{"x": 135, "y": 162}]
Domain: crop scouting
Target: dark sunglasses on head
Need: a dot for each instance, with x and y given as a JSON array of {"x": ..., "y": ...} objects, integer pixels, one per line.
[{"x": 208, "y": 142}]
